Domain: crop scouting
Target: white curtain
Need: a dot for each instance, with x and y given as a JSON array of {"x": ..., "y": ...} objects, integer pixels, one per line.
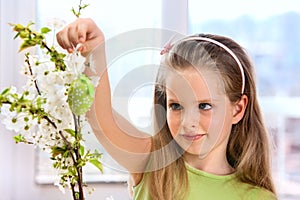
[
  {"x": 12, "y": 155},
  {"x": 14, "y": 11}
]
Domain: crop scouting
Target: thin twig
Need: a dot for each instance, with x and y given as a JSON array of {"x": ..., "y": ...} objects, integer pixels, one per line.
[
  {"x": 31, "y": 73},
  {"x": 78, "y": 157},
  {"x": 79, "y": 8},
  {"x": 73, "y": 191}
]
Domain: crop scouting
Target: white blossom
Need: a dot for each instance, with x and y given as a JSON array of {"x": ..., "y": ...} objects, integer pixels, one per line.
[
  {"x": 60, "y": 186},
  {"x": 47, "y": 89},
  {"x": 56, "y": 23}
]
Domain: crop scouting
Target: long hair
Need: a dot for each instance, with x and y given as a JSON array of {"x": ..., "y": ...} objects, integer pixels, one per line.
[{"x": 248, "y": 148}]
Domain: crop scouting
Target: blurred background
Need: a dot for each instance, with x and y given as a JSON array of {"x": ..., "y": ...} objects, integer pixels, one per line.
[{"x": 269, "y": 30}]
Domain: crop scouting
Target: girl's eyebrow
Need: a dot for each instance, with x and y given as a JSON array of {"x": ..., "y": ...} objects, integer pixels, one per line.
[
  {"x": 205, "y": 100},
  {"x": 172, "y": 100},
  {"x": 211, "y": 100}
]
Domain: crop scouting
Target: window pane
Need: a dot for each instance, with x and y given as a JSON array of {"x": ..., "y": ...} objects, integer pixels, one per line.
[
  {"x": 269, "y": 30},
  {"x": 114, "y": 17}
]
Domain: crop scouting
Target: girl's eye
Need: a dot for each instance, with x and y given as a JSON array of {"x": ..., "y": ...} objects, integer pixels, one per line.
[
  {"x": 204, "y": 106},
  {"x": 175, "y": 106}
]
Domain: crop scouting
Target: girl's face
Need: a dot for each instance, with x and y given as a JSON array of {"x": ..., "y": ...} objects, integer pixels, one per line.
[{"x": 199, "y": 114}]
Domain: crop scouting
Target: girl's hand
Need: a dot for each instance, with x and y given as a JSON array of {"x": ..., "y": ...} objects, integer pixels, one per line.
[{"x": 81, "y": 31}]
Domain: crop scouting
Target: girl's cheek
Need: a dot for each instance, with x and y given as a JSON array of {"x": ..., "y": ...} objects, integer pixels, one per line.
[
  {"x": 205, "y": 122},
  {"x": 174, "y": 122}
]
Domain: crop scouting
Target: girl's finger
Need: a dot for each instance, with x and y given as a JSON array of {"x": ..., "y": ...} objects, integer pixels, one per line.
[
  {"x": 62, "y": 39},
  {"x": 72, "y": 36},
  {"x": 81, "y": 32}
]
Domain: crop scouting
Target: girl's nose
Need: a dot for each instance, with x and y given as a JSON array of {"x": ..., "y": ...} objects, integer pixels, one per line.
[{"x": 191, "y": 119}]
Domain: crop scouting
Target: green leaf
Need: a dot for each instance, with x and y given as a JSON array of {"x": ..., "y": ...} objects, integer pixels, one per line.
[
  {"x": 77, "y": 195},
  {"x": 97, "y": 164},
  {"x": 81, "y": 163},
  {"x": 40, "y": 101},
  {"x": 29, "y": 24},
  {"x": 74, "y": 12},
  {"x": 81, "y": 152},
  {"x": 45, "y": 30},
  {"x": 66, "y": 154},
  {"x": 5, "y": 91},
  {"x": 17, "y": 27},
  {"x": 97, "y": 154},
  {"x": 19, "y": 138},
  {"x": 58, "y": 150},
  {"x": 71, "y": 132},
  {"x": 17, "y": 35},
  {"x": 25, "y": 45},
  {"x": 24, "y": 34},
  {"x": 84, "y": 6}
]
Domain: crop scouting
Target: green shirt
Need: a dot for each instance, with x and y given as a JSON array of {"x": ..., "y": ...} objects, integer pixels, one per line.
[{"x": 206, "y": 186}]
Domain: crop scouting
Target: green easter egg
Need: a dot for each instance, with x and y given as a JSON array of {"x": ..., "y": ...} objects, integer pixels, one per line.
[{"x": 81, "y": 95}]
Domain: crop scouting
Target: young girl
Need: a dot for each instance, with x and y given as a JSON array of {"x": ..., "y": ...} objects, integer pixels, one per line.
[{"x": 210, "y": 140}]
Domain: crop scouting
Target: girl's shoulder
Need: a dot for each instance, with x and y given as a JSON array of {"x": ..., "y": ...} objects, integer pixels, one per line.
[
  {"x": 135, "y": 178},
  {"x": 212, "y": 187},
  {"x": 257, "y": 193},
  {"x": 140, "y": 190}
]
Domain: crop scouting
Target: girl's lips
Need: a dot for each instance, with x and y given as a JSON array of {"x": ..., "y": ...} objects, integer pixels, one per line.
[{"x": 192, "y": 137}]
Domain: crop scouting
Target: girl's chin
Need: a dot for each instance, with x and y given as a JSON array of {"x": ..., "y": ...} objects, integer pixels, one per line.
[
  {"x": 196, "y": 154},
  {"x": 196, "y": 149}
]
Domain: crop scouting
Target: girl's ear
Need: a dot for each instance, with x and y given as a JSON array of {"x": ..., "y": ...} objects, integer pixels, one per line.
[{"x": 239, "y": 109}]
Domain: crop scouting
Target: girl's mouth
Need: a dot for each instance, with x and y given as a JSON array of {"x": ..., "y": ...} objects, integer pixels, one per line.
[{"x": 193, "y": 137}]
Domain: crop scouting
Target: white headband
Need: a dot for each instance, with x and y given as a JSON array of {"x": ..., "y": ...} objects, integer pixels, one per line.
[{"x": 220, "y": 45}]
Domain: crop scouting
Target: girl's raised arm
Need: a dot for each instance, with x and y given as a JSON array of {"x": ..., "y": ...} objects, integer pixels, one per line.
[{"x": 126, "y": 144}]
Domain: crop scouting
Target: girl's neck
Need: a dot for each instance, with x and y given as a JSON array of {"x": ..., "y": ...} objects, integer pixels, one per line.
[{"x": 214, "y": 164}]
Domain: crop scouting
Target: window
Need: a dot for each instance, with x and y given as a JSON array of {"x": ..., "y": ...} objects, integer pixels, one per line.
[
  {"x": 269, "y": 30},
  {"x": 115, "y": 18}
]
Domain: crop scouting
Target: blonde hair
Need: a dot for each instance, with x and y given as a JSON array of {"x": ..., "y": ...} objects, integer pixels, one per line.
[{"x": 248, "y": 148}]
